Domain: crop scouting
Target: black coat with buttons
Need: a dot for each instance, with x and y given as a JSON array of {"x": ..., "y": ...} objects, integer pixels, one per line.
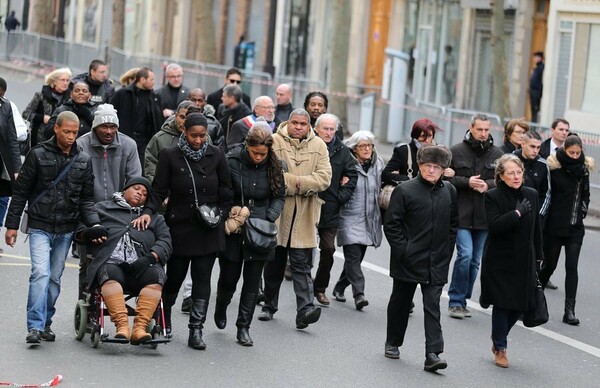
[
  {"x": 260, "y": 199},
  {"x": 213, "y": 185}
]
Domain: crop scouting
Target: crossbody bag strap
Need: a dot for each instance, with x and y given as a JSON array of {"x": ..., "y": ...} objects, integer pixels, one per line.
[
  {"x": 241, "y": 187},
  {"x": 55, "y": 182},
  {"x": 409, "y": 170},
  {"x": 193, "y": 181}
]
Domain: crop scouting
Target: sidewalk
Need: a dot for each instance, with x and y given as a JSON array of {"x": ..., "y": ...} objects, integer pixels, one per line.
[{"x": 384, "y": 149}]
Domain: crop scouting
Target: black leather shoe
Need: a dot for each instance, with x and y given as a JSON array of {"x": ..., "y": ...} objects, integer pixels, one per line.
[
  {"x": 360, "y": 301},
  {"x": 265, "y": 315},
  {"x": 34, "y": 337},
  {"x": 551, "y": 286},
  {"x": 339, "y": 295},
  {"x": 392, "y": 351},
  {"x": 412, "y": 308},
  {"x": 48, "y": 334},
  {"x": 243, "y": 337},
  {"x": 186, "y": 305},
  {"x": 433, "y": 362},
  {"x": 308, "y": 318}
]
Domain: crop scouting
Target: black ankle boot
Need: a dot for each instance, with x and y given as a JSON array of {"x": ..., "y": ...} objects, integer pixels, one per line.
[
  {"x": 245, "y": 313},
  {"x": 168, "y": 302},
  {"x": 569, "y": 316},
  {"x": 197, "y": 319},
  {"x": 223, "y": 300}
]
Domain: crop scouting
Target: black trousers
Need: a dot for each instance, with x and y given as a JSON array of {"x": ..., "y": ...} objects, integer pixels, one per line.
[
  {"x": 398, "y": 311},
  {"x": 201, "y": 270},
  {"x": 352, "y": 273},
  {"x": 230, "y": 272},
  {"x": 300, "y": 259},
  {"x": 327, "y": 247},
  {"x": 552, "y": 248}
]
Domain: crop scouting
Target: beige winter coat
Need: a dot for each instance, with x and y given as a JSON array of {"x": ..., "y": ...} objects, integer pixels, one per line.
[{"x": 308, "y": 160}]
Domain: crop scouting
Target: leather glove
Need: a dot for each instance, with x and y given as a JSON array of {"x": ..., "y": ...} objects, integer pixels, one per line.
[
  {"x": 140, "y": 266},
  {"x": 93, "y": 233},
  {"x": 523, "y": 207}
]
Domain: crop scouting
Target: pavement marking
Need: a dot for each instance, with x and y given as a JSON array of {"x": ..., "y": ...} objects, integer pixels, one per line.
[
  {"x": 67, "y": 265},
  {"x": 592, "y": 350}
]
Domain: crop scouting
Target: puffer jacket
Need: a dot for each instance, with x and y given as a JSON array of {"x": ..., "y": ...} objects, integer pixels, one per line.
[
  {"x": 113, "y": 165},
  {"x": 308, "y": 162},
  {"x": 59, "y": 210},
  {"x": 420, "y": 225},
  {"x": 343, "y": 164},
  {"x": 360, "y": 217}
]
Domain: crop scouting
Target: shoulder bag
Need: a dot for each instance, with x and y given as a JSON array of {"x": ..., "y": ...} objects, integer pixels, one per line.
[
  {"x": 259, "y": 235},
  {"x": 386, "y": 191},
  {"x": 24, "y": 227},
  {"x": 209, "y": 215},
  {"x": 539, "y": 314}
]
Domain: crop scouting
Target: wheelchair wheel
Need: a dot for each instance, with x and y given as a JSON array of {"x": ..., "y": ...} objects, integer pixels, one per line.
[
  {"x": 80, "y": 319},
  {"x": 95, "y": 336}
]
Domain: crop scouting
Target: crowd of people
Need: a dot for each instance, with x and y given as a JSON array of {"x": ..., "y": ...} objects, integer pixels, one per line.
[{"x": 138, "y": 179}]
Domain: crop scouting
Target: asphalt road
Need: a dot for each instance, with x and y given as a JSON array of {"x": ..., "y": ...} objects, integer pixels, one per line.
[{"x": 345, "y": 348}]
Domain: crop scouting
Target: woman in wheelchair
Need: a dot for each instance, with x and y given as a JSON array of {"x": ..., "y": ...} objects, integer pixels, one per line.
[{"x": 128, "y": 254}]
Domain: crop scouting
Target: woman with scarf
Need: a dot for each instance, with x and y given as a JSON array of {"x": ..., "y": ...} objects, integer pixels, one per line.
[
  {"x": 191, "y": 174},
  {"x": 128, "y": 258},
  {"x": 360, "y": 218},
  {"x": 512, "y": 252},
  {"x": 259, "y": 192},
  {"x": 54, "y": 93},
  {"x": 570, "y": 182}
]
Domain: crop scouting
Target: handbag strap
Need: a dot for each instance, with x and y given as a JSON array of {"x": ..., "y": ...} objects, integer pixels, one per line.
[
  {"x": 55, "y": 182},
  {"x": 409, "y": 170},
  {"x": 193, "y": 181}
]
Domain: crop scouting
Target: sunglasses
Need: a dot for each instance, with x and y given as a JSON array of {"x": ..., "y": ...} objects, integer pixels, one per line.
[{"x": 235, "y": 81}]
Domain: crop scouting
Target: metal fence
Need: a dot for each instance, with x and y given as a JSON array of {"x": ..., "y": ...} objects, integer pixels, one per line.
[{"x": 453, "y": 122}]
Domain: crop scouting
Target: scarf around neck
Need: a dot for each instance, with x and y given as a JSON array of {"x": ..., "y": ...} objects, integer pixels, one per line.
[
  {"x": 121, "y": 202},
  {"x": 189, "y": 153},
  {"x": 574, "y": 166}
]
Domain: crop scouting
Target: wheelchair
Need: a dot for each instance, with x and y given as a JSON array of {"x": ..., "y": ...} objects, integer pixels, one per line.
[{"x": 90, "y": 314}]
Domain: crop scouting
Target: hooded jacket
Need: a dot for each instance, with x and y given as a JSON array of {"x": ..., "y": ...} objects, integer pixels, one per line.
[{"x": 308, "y": 164}]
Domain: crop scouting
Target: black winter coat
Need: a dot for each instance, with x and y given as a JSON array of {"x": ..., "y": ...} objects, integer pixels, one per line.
[
  {"x": 10, "y": 158},
  {"x": 230, "y": 116},
  {"x": 117, "y": 220},
  {"x": 399, "y": 162},
  {"x": 258, "y": 197},
  {"x": 166, "y": 96},
  {"x": 537, "y": 176},
  {"x": 469, "y": 159},
  {"x": 101, "y": 92},
  {"x": 343, "y": 164},
  {"x": 420, "y": 225},
  {"x": 125, "y": 102},
  {"x": 213, "y": 185},
  {"x": 511, "y": 249},
  {"x": 42, "y": 103},
  {"x": 214, "y": 99},
  {"x": 85, "y": 113},
  {"x": 60, "y": 210}
]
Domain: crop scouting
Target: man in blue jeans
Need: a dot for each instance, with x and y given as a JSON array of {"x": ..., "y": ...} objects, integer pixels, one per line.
[
  {"x": 473, "y": 162},
  {"x": 56, "y": 205}
]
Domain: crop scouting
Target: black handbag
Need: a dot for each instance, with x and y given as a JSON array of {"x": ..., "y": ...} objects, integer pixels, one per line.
[
  {"x": 539, "y": 314},
  {"x": 259, "y": 235},
  {"x": 207, "y": 214}
]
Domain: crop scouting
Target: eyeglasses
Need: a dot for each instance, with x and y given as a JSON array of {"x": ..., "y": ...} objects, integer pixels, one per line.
[
  {"x": 235, "y": 81},
  {"x": 364, "y": 146},
  {"x": 424, "y": 136}
]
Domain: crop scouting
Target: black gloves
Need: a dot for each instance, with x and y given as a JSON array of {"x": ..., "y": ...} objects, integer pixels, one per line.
[
  {"x": 523, "y": 207},
  {"x": 87, "y": 235},
  {"x": 140, "y": 266}
]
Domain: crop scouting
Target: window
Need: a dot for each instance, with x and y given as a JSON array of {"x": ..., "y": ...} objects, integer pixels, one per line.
[{"x": 585, "y": 82}]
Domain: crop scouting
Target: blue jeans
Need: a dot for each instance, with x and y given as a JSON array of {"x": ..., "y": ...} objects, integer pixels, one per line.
[
  {"x": 3, "y": 209},
  {"x": 48, "y": 256},
  {"x": 502, "y": 321},
  {"x": 469, "y": 247}
]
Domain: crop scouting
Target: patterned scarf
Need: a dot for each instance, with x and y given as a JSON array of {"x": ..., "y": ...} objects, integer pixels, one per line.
[
  {"x": 120, "y": 200},
  {"x": 184, "y": 146}
]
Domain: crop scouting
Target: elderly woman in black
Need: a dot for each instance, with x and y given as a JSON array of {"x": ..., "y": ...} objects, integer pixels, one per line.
[
  {"x": 192, "y": 173},
  {"x": 129, "y": 258},
  {"x": 259, "y": 187},
  {"x": 570, "y": 182},
  {"x": 512, "y": 252}
]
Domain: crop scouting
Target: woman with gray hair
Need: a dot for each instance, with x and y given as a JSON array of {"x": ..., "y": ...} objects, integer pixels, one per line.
[
  {"x": 54, "y": 93},
  {"x": 360, "y": 218}
]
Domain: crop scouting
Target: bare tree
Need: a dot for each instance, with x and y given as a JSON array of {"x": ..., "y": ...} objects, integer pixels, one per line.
[
  {"x": 118, "y": 28},
  {"x": 222, "y": 30},
  {"x": 43, "y": 17},
  {"x": 205, "y": 48},
  {"x": 338, "y": 66},
  {"x": 500, "y": 104}
]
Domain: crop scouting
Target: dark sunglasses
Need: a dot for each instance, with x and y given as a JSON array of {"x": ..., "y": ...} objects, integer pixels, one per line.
[{"x": 235, "y": 81}]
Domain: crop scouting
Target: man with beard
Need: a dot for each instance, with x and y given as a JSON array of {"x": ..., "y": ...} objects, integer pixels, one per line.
[
  {"x": 263, "y": 107},
  {"x": 473, "y": 161},
  {"x": 101, "y": 88}
]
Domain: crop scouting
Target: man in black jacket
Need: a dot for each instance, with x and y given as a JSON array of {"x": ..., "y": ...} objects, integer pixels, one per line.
[
  {"x": 232, "y": 77},
  {"x": 559, "y": 130},
  {"x": 473, "y": 161},
  {"x": 283, "y": 95},
  {"x": 263, "y": 107},
  {"x": 233, "y": 108},
  {"x": 536, "y": 85},
  {"x": 343, "y": 183},
  {"x": 52, "y": 218},
  {"x": 173, "y": 92},
  {"x": 537, "y": 173},
  {"x": 100, "y": 86},
  {"x": 421, "y": 224}
]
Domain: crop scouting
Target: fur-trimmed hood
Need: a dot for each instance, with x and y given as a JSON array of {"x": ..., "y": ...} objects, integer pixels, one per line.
[{"x": 554, "y": 164}]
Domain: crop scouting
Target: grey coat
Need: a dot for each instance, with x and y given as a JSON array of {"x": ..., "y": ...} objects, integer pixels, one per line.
[
  {"x": 360, "y": 217},
  {"x": 113, "y": 166}
]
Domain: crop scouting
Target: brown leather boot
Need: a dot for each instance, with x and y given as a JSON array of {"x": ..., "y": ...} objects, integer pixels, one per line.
[
  {"x": 146, "y": 305},
  {"x": 500, "y": 356},
  {"x": 115, "y": 303}
]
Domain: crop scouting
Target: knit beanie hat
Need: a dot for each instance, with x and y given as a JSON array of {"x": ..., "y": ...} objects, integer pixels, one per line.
[
  {"x": 105, "y": 114},
  {"x": 436, "y": 154},
  {"x": 137, "y": 180}
]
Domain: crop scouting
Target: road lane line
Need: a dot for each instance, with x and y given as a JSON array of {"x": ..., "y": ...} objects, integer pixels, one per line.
[{"x": 594, "y": 351}]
